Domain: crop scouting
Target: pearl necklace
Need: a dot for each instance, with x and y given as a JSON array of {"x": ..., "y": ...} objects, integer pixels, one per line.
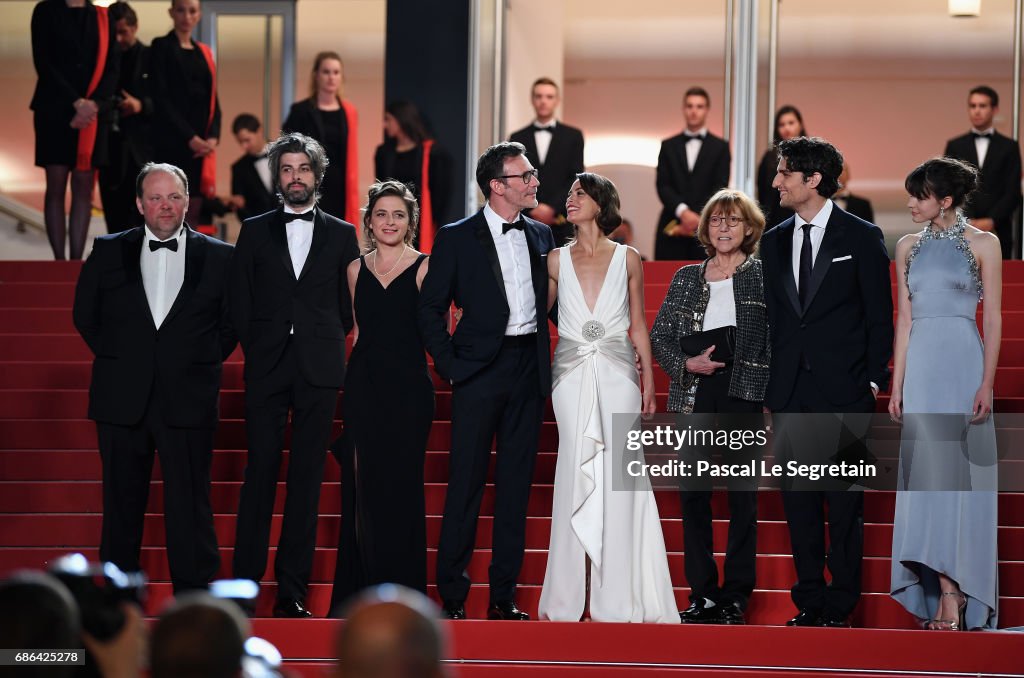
[{"x": 397, "y": 262}]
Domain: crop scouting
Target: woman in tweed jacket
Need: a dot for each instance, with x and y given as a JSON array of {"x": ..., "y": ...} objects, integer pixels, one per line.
[{"x": 726, "y": 289}]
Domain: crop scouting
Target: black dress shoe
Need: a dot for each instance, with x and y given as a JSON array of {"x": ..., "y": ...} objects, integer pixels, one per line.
[
  {"x": 291, "y": 609},
  {"x": 805, "y": 618},
  {"x": 453, "y": 610},
  {"x": 698, "y": 613},
  {"x": 730, "y": 613},
  {"x": 834, "y": 621},
  {"x": 506, "y": 610}
]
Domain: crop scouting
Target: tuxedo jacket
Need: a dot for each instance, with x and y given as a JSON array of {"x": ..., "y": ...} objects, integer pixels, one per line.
[
  {"x": 1000, "y": 194},
  {"x": 267, "y": 300},
  {"x": 844, "y": 332},
  {"x": 182, "y": 359},
  {"x": 563, "y": 162},
  {"x": 677, "y": 184},
  {"x": 464, "y": 268},
  {"x": 177, "y": 116},
  {"x": 246, "y": 182}
]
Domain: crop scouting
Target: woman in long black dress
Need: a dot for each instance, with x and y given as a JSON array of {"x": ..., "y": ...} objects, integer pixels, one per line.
[
  {"x": 388, "y": 406},
  {"x": 76, "y": 58},
  {"x": 789, "y": 123},
  {"x": 186, "y": 116},
  {"x": 401, "y": 157},
  {"x": 332, "y": 121}
]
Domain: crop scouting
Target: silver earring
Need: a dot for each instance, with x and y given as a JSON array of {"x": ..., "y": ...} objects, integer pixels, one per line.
[{"x": 942, "y": 212}]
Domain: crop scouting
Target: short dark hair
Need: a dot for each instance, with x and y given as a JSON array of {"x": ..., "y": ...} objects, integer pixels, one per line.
[
  {"x": 602, "y": 191},
  {"x": 383, "y": 189},
  {"x": 697, "y": 92},
  {"x": 985, "y": 90},
  {"x": 544, "y": 80},
  {"x": 199, "y": 635},
  {"x": 151, "y": 167},
  {"x": 942, "y": 177},
  {"x": 246, "y": 121},
  {"x": 808, "y": 155},
  {"x": 491, "y": 164},
  {"x": 37, "y": 611},
  {"x": 408, "y": 118},
  {"x": 294, "y": 142},
  {"x": 788, "y": 110},
  {"x": 122, "y": 10}
]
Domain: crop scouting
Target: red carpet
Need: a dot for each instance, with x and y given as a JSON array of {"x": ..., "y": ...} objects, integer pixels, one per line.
[{"x": 50, "y": 503}]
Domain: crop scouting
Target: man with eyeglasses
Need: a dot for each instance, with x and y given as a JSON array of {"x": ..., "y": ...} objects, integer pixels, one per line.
[{"x": 493, "y": 265}]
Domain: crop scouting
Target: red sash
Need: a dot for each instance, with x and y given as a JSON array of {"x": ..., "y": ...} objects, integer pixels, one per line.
[
  {"x": 352, "y": 206},
  {"x": 87, "y": 135},
  {"x": 426, "y": 212},
  {"x": 208, "y": 176}
]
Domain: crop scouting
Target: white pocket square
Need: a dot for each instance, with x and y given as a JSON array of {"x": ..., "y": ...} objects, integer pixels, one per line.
[{"x": 848, "y": 256}]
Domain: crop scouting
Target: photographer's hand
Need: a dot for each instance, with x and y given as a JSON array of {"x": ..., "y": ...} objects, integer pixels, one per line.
[{"x": 123, "y": 655}]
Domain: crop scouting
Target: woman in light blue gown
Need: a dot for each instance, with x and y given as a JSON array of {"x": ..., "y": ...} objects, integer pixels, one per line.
[{"x": 944, "y": 560}]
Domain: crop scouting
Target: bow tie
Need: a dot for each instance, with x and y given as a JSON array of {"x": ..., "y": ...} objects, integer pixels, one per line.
[
  {"x": 291, "y": 216},
  {"x": 550, "y": 129},
  {"x": 692, "y": 137},
  {"x": 171, "y": 244},
  {"x": 517, "y": 226},
  {"x": 981, "y": 135}
]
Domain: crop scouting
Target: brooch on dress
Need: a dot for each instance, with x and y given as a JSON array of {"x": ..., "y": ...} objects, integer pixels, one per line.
[{"x": 593, "y": 330}]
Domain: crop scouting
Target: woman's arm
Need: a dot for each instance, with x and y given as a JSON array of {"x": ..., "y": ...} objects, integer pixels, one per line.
[
  {"x": 353, "y": 276},
  {"x": 638, "y": 330},
  {"x": 553, "y": 266},
  {"x": 903, "y": 317},
  {"x": 987, "y": 252}
]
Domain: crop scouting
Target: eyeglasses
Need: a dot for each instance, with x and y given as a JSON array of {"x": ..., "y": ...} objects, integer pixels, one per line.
[
  {"x": 731, "y": 220},
  {"x": 526, "y": 176}
]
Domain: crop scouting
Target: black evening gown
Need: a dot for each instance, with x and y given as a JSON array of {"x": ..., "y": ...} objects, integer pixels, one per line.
[{"x": 388, "y": 408}]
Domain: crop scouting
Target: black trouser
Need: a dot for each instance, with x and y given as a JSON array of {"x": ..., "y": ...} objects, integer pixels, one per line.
[
  {"x": 267, "y": 402},
  {"x": 741, "y": 550},
  {"x": 805, "y": 514},
  {"x": 503, "y": 400},
  {"x": 185, "y": 453}
]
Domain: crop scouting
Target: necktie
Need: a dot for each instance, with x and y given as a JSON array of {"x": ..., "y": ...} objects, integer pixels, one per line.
[
  {"x": 171, "y": 244},
  {"x": 305, "y": 216},
  {"x": 805, "y": 264},
  {"x": 981, "y": 135},
  {"x": 518, "y": 226},
  {"x": 544, "y": 128}
]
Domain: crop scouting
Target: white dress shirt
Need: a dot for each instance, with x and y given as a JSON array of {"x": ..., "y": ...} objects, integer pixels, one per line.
[
  {"x": 981, "y": 144},
  {"x": 300, "y": 238},
  {"x": 820, "y": 220},
  {"x": 262, "y": 166},
  {"x": 163, "y": 273},
  {"x": 514, "y": 258},
  {"x": 693, "y": 147},
  {"x": 543, "y": 139}
]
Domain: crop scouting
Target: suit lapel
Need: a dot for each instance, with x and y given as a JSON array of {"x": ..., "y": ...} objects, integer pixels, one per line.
[
  {"x": 279, "y": 235},
  {"x": 538, "y": 270},
  {"x": 317, "y": 245},
  {"x": 131, "y": 252},
  {"x": 531, "y": 147},
  {"x": 483, "y": 236},
  {"x": 826, "y": 252},
  {"x": 195, "y": 256},
  {"x": 785, "y": 264}
]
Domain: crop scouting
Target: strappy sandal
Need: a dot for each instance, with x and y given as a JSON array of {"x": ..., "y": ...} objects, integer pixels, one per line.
[{"x": 957, "y": 624}]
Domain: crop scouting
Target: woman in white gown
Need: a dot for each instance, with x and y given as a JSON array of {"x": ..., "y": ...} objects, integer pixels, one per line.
[{"x": 607, "y": 549}]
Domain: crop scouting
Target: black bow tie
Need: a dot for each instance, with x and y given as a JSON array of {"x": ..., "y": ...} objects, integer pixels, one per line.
[
  {"x": 981, "y": 135},
  {"x": 691, "y": 137},
  {"x": 291, "y": 216},
  {"x": 544, "y": 128},
  {"x": 518, "y": 226},
  {"x": 171, "y": 244}
]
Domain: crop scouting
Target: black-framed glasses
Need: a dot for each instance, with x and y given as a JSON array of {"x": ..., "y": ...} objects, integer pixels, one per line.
[
  {"x": 525, "y": 176},
  {"x": 731, "y": 220}
]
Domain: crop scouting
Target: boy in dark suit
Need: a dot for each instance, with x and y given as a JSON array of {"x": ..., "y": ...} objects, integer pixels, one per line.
[
  {"x": 151, "y": 304},
  {"x": 998, "y": 158},
  {"x": 556, "y": 150},
  {"x": 252, "y": 186}
]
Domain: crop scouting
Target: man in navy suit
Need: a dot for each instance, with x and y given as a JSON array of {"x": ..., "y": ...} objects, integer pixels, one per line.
[
  {"x": 556, "y": 150},
  {"x": 998, "y": 158},
  {"x": 493, "y": 266},
  {"x": 692, "y": 166},
  {"x": 151, "y": 304},
  {"x": 827, "y": 291}
]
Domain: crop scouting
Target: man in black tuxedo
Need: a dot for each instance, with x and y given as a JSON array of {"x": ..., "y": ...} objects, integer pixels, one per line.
[
  {"x": 291, "y": 308},
  {"x": 692, "y": 166},
  {"x": 129, "y": 147},
  {"x": 252, "y": 186},
  {"x": 827, "y": 290},
  {"x": 998, "y": 157},
  {"x": 151, "y": 304},
  {"x": 493, "y": 265},
  {"x": 556, "y": 150}
]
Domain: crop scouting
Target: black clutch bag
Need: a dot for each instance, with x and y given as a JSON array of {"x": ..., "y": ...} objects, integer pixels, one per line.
[{"x": 722, "y": 338}]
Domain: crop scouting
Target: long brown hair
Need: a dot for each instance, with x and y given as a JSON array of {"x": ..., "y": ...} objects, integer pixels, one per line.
[{"x": 319, "y": 59}]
